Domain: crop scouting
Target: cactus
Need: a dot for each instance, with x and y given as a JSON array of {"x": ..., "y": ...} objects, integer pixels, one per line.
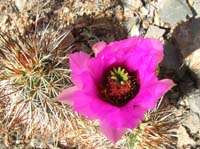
[{"x": 32, "y": 73}]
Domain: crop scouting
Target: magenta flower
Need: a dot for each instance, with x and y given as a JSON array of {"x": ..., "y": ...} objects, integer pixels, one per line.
[{"x": 118, "y": 85}]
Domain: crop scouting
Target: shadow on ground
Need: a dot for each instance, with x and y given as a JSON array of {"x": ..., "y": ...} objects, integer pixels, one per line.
[{"x": 185, "y": 40}]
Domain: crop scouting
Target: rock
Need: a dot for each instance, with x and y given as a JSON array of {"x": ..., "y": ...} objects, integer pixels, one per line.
[
  {"x": 132, "y": 26},
  {"x": 198, "y": 138},
  {"x": 183, "y": 138},
  {"x": 151, "y": 8},
  {"x": 144, "y": 11},
  {"x": 192, "y": 122},
  {"x": 173, "y": 11},
  {"x": 154, "y": 32},
  {"x": 156, "y": 19},
  {"x": 145, "y": 23},
  {"x": 132, "y": 5},
  {"x": 135, "y": 30},
  {"x": 194, "y": 101},
  {"x": 191, "y": 2},
  {"x": 196, "y": 7},
  {"x": 193, "y": 61},
  {"x": 20, "y": 4},
  {"x": 3, "y": 21}
]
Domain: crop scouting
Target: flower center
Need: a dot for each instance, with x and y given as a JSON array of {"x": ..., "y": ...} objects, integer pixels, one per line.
[{"x": 118, "y": 86}]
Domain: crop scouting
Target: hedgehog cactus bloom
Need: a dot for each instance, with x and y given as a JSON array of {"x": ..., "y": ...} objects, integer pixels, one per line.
[{"x": 118, "y": 85}]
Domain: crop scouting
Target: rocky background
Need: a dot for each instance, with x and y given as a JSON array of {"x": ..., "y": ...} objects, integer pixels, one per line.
[{"x": 175, "y": 22}]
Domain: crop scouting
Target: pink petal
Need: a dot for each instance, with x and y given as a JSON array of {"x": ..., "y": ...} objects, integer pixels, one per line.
[
  {"x": 88, "y": 85},
  {"x": 124, "y": 117},
  {"x": 112, "y": 133},
  {"x": 147, "y": 50},
  {"x": 151, "y": 93},
  {"x": 98, "y": 47},
  {"x": 152, "y": 47},
  {"x": 123, "y": 46},
  {"x": 136, "y": 52},
  {"x": 66, "y": 95},
  {"x": 82, "y": 104},
  {"x": 97, "y": 66},
  {"x": 78, "y": 64},
  {"x": 91, "y": 106},
  {"x": 145, "y": 66},
  {"x": 158, "y": 48}
]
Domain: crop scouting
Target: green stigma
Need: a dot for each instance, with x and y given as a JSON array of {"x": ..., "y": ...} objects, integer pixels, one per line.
[{"x": 119, "y": 74}]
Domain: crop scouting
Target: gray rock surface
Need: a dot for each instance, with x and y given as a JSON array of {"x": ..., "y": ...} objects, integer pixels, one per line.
[
  {"x": 154, "y": 32},
  {"x": 173, "y": 11},
  {"x": 132, "y": 4},
  {"x": 151, "y": 8},
  {"x": 196, "y": 7},
  {"x": 192, "y": 122},
  {"x": 193, "y": 62},
  {"x": 194, "y": 102},
  {"x": 20, "y": 4},
  {"x": 183, "y": 138}
]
